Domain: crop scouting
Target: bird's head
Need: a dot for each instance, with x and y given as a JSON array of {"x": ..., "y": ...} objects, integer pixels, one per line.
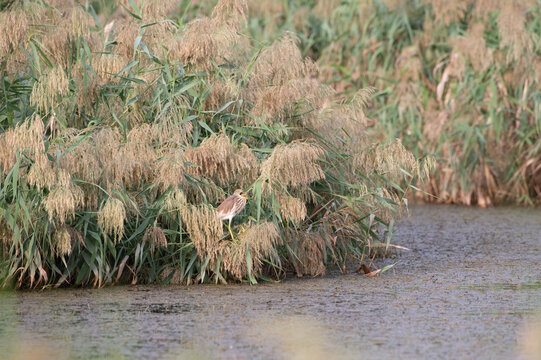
[{"x": 241, "y": 193}]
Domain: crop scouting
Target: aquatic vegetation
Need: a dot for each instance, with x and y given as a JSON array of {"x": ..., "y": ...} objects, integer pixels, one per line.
[
  {"x": 125, "y": 123},
  {"x": 457, "y": 80}
]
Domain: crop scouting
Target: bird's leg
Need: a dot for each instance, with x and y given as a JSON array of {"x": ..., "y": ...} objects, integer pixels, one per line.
[{"x": 229, "y": 227}]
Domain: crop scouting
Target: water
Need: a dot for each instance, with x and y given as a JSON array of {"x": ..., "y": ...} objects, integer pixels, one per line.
[{"x": 467, "y": 289}]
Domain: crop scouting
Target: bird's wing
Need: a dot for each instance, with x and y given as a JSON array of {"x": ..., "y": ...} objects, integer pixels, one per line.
[{"x": 227, "y": 206}]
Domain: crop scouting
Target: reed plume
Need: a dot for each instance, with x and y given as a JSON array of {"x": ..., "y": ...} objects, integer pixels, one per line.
[
  {"x": 175, "y": 201},
  {"x": 512, "y": 25},
  {"x": 65, "y": 238},
  {"x": 111, "y": 218},
  {"x": 28, "y": 138},
  {"x": 473, "y": 47},
  {"x": 291, "y": 208},
  {"x": 62, "y": 202},
  {"x": 391, "y": 161},
  {"x": 136, "y": 158},
  {"x": 155, "y": 237},
  {"x": 14, "y": 29},
  {"x": 231, "y": 12},
  {"x": 171, "y": 170},
  {"x": 127, "y": 32},
  {"x": 107, "y": 66},
  {"x": 80, "y": 22},
  {"x": 152, "y": 9},
  {"x": 274, "y": 88},
  {"x": 294, "y": 164},
  {"x": 218, "y": 159},
  {"x": 47, "y": 92},
  {"x": 449, "y": 11},
  {"x": 335, "y": 121},
  {"x": 204, "y": 42},
  {"x": 259, "y": 240},
  {"x": 204, "y": 228}
]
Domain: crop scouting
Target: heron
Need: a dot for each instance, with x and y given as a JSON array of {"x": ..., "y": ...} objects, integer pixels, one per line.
[{"x": 231, "y": 206}]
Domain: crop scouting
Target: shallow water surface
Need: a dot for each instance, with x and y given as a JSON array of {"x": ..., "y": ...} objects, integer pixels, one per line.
[{"x": 467, "y": 289}]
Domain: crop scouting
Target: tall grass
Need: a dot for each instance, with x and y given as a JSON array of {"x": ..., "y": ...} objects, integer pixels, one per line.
[
  {"x": 458, "y": 80},
  {"x": 124, "y": 124}
]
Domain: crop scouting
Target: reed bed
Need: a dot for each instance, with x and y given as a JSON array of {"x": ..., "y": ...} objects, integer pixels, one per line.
[
  {"x": 456, "y": 80},
  {"x": 125, "y": 123}
]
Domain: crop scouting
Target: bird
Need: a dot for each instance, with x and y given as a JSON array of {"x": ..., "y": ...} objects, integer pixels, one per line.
[{"x": 231, "y": 206}]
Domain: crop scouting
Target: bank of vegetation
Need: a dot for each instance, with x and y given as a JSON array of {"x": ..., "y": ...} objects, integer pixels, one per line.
[
  {"x": 125, "y": 123},
  {"x": 456, "y": 80}
]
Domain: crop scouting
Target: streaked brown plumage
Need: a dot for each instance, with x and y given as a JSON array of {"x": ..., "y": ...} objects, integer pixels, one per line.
[{"x": 231, "y": 206}]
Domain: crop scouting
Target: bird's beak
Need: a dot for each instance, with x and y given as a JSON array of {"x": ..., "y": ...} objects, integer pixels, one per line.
[{"x": 244, "y": 196}]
